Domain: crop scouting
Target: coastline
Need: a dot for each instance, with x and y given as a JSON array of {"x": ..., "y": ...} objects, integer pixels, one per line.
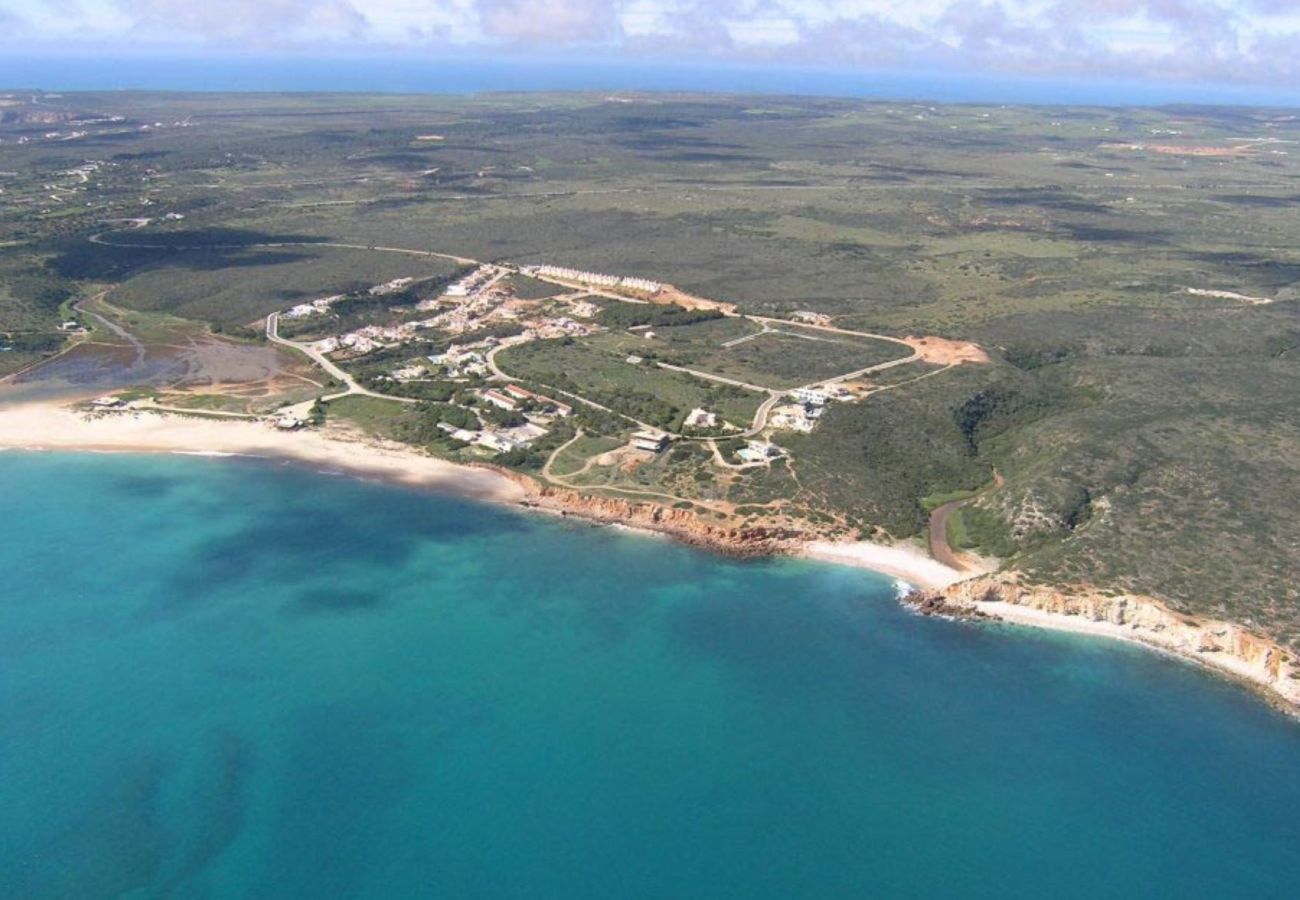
[
  {"x": 53, "y": 427},
  {"x": 1224, "y": 648}
]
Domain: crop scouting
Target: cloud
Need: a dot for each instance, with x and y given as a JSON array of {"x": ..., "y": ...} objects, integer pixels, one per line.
[
  {"x": 1225, "y": 40},
  {"x": 261, "y": 21},
  {"x": 552, "y": 21},
  {"x": 11, "y": 22}
]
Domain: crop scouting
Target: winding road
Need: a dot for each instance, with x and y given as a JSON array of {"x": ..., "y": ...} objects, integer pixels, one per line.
[
  {"x": 338, "y": 374},
  {"x": 940, "y": 547}
]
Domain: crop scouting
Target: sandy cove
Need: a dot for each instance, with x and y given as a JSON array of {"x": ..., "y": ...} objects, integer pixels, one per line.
[{"x": 1222, "y": 647}]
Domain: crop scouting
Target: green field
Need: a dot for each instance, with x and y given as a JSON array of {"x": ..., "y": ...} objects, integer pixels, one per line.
[
  {"x": 778, "y": 357},
  {"x": 644, "y": 392}
]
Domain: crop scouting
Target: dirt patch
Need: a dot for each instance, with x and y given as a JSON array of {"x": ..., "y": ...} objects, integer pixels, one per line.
[
  {"x": 633, "y": 459},
  {"x": 1184, "y": 149},
  {"x": 944, "y": 352},
  {"x": 671, "y": 294}
]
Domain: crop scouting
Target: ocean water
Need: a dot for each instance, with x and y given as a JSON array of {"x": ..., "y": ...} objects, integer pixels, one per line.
[
  {"x": 234, "y": 679},
  {"x": 467, "y": 74}
]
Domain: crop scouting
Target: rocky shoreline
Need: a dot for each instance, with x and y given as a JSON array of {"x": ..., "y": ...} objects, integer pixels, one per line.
[
  {"x": 682, "y": 525},
  {"x": 1223, "y": 647}
]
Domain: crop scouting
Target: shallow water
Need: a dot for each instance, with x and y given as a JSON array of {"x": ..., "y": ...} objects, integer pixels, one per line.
[{"x": 229, "y": 679}]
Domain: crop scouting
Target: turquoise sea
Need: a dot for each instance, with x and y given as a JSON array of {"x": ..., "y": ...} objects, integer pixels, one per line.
[{"x": 236, "y": 679}]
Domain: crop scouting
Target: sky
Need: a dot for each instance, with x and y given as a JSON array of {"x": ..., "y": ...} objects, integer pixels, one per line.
[{"x": 1246, "y": 42}]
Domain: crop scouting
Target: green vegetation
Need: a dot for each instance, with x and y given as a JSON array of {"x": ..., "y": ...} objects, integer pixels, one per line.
[
  {"x": 628, "y": 315},
  {"x": 643, "y": 392},
  {"x": 1148, "y": 436},
  {"x": 780, "y": 357},
  {"x": 382, "y": 418},
  {"x": 526, "y": 288},
  {"x": 198, "y": 284}
]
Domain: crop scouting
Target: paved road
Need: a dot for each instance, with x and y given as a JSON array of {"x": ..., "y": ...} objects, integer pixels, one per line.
[
  {"x": 720, "y": 379},
  {"x": 273, "y": 335},
  {"x": 760, "y": 415}
]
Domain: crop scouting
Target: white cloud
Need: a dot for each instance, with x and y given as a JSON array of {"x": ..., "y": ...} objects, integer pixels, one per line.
[{"x": 1213, "y": 39}]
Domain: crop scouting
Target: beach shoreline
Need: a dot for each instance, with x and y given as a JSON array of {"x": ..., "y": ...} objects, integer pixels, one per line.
[
  {"x": 1220, "y": 647},
  {"x": 51, "y": 427}
]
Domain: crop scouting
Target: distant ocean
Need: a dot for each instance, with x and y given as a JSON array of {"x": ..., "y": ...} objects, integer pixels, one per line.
[
  {"x": 465, "y": 75},
  {"x": 227, "y": 679}
]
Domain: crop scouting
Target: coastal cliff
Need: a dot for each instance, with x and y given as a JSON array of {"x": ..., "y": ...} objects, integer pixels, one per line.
[
  {"x": 1224, "y": 646},
  {"x": 684, "y": 525}
]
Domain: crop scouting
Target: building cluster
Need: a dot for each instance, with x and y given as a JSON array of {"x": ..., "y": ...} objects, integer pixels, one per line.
[
  {"x": 512, "y": 395},
  {"x": 315, "y": 307},
  {"x": 503, "y": 440},
  {"x": 595, "y": 279},
  {"x": 803, "y": 414},
  {"x": 497, "y": 441},
  {"x": 482, "y": 307},
  {"x": 797, "y": 417},
  {"x": 391, "y": 287},
  {"x": 461, "y": 360},
  {"x": 473, "y": 282},
  {"x": 558, "y": 327},
  {"x": 355, "y": 342},
  {"x": 811, "y": 318},
  {"x": 413, "y": 372}
]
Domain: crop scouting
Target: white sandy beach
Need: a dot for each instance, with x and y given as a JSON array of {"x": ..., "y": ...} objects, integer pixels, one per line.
[
  {"x": 47, "y": 426},
  {"x": 904, "y": 561}
]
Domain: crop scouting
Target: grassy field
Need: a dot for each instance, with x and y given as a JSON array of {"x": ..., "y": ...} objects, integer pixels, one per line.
[
  {"x": 778, "y": 357},
  {"x": 1148, "y": 436},
  {"x": 642, "y": 391}
]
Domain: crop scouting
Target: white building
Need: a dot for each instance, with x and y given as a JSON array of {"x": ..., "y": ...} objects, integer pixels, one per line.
[
  {"x": 758, "y": 451},
  {"x": 809, "y": 396},
  {"x": 651, "y": 441},
  {"x": 701, "y": 418},
  {"x": 496, "y": 441},
  {"x": 471, "y": 282},
  {"x": 598, "y": 279},
  {"x": 409, "y": 373},
  {"x": 496, "y": 398},
  {"x": 390, "y": 287},
  {"x": 644, "y": 285}
]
